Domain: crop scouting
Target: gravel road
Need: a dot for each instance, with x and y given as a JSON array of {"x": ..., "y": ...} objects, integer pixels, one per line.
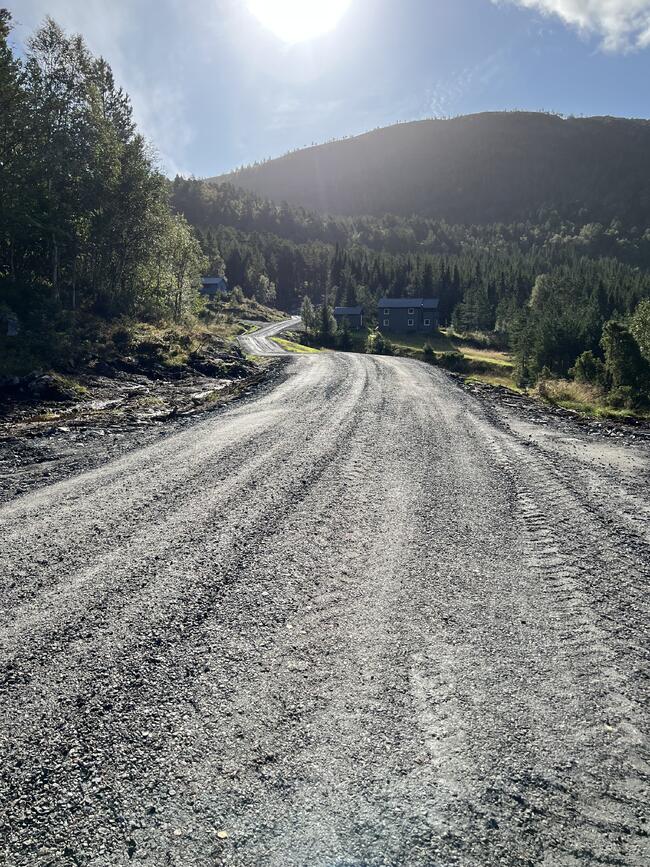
[
  {"x": 258, "y": 342},
  {"x": 363, "y": 619}
]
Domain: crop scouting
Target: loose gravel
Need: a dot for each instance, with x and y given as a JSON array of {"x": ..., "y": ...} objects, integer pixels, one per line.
[{"x": 364, "y": 618}]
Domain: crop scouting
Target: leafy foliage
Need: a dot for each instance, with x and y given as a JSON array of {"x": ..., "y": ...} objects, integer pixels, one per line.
[
  {"x": 378, "y": 344},
  {"x": 640, "y": 327},
  {"x": 589, "y": 368},
  {"x": 626, "y": 366},
  {"x": 85, "y": 221}
]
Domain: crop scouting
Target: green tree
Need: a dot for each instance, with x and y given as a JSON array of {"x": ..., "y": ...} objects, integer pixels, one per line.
[
  {"x": 308, "y": 314},
  {"x": 589, "y": 368},
  {"x": 13, "y": 159},
  {"x": 186, "y": 264},
  {"x": 327, "y": 324},
  {"x": 261, "y": 287},
  {"x": 428, "y": 289},
  {"x": 640, "y": 327},
  {"x": 624, "y": 362}
]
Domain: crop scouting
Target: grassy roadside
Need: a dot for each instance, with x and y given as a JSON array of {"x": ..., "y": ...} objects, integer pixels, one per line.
[
  {"x": 292, "y": 346},
  {"x": 65, "y": 349},
  {"x": 447, "y": 342},
  {"x": 585, "y": 399}
]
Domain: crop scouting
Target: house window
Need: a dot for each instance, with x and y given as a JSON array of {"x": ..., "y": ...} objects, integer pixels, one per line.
[
  {"x": 386, "y": 312},
  {"x": 386, "y": 322},
  {"x": 411, "y": 322},
  {"x": 427, "y": 322},
  {"x": 411, "y": 311}
]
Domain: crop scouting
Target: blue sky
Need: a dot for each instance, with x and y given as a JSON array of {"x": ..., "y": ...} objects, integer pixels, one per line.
[{"x": 213, "y": 88}]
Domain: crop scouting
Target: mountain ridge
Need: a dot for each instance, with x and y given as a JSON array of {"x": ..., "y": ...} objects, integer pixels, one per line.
[{"x": 479, "y": 168}]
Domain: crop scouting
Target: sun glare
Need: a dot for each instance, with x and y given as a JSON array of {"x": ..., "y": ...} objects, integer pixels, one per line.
[{"x": 298, "y": 20}]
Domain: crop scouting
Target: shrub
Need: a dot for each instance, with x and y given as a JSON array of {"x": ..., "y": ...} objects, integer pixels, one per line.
[
  {"x": 625, "y": 397},
  {"x": 121, "y": 339},
  {"x": 428, "y": 353},
  {"x": 623, "y": 359},
  {"x": 377, "y": 344},
  {"x": 567, "y": 391},
  {"x": 589, "y": 368}
]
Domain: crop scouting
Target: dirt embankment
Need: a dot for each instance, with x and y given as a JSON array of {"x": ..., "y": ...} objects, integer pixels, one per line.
[{"x": 53, "y": 425}]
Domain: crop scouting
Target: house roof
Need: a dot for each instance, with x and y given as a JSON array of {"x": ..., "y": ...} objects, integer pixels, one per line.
[
  {"x": 213, "y": 281},
  {"x": 348, "y": 311},
  {"x": 400, "y": 303}
]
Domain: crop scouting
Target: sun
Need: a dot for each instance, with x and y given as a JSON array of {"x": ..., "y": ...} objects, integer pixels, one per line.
[{"x": 298, "y": 20}]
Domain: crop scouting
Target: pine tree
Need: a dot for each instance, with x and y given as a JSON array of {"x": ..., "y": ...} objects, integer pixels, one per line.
[
  {"x": 308, "y": 314},
  {"x": 327, "y": 324}
]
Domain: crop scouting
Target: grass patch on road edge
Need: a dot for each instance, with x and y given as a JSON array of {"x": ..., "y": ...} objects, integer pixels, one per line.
[
  {"x": 291, "y": 346},
  {"x": 586, "y": 399}
]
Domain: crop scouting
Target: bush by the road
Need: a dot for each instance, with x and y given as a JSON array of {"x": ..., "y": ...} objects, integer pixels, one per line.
[{"x": 378, "y": 344}]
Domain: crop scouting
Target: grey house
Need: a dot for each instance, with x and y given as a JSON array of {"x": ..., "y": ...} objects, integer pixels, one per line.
[
  {"x": 403, "y": 315},
  {"x": 214, "y": 287},
  {"x": 354, "y": 315}
]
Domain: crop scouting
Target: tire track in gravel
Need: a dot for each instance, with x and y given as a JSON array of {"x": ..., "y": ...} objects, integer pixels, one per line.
[
  {"x": 78, "y": 508},
  {"x": 590, "y": 579},
  {"x": 383, "y": 640},
  {"x": 70, "y": 550}
]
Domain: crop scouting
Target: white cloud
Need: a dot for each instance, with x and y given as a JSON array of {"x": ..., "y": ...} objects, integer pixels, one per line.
[{"x": 622, "y": 24}]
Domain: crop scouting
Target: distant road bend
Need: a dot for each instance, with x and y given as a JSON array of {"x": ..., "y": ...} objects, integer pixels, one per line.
[
  {"x": 361, "y": 619},
  {"x": 259, "y": 342}
]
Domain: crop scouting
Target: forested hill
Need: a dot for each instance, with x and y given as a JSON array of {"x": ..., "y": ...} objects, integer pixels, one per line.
[{"x": 482, "y": 168}]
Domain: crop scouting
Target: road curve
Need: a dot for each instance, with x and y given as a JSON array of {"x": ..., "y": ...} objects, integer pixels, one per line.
[
  {"x": 258, "y": 342},
  {"x": 359, "y": 620}
]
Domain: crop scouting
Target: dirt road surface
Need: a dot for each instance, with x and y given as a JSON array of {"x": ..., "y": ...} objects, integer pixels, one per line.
[
  {"x": 259, "y": 342},
  {"x": 363, "y": 619}
]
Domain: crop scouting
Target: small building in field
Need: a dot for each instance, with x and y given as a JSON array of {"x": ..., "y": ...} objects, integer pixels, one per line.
[
  {"x": 405, "y": 315},
  {"x": 214, "y": 287},
  {"x": 354, "y": 315}
]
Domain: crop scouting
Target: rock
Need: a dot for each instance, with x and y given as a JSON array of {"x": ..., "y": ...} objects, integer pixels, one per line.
[
  {"x": 48, "y": 386},
  {"x": 103, "y": 368}
]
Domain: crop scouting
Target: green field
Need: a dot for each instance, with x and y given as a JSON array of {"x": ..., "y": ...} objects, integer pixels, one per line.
[{"x": 444, "y": 341}]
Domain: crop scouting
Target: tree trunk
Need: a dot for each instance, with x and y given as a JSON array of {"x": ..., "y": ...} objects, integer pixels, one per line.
[
  {"x": 55, "y": 268},
  {"x": 74, "y": 284}
]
